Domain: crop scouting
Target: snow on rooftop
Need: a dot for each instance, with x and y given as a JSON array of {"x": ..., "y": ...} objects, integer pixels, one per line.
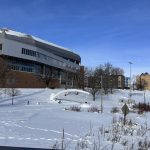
[
  {"x": 49, "y": 43},
  {"x": 20, "y": 34}
]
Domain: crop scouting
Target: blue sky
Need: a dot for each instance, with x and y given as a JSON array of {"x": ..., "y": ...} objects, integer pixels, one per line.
[{"x": 116, "y": 31}]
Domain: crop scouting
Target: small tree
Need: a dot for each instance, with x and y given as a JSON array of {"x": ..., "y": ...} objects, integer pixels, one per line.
[
  {"x": 48, "y": 76},
  {"x": 93, "y": 86},
  {"x": 93, "y": 83},
  {"x": 47, "y": 79},
  {"x": 13, "y": 92}
]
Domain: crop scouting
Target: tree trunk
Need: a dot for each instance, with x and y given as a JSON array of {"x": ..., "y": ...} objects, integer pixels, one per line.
[
  {"x": 111, "y": 91},
  {"x": 47, "y": 84},
  {"x": 93, "y": 97},
  {"x": 12, "y": 100}
]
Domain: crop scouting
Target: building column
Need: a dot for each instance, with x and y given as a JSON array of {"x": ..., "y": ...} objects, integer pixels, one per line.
[
  {"x": 43, "y": 70},
  {"x": 59, "y": 78},
  {"x": 72, "y": 81}
]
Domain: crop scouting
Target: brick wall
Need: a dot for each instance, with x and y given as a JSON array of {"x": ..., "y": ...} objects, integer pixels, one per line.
[{"x": 27, "y": 80}]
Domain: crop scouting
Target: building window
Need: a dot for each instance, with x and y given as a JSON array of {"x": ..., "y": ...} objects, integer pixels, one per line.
[
  {"x": 13, "y": 67},
  {"x": 22, "y": 50},
  {"x": 0, "y": 46},
  {"x": 28, "y": 52}
]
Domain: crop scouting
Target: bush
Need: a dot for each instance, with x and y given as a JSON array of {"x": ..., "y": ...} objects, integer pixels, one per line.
[
  {"x": 144, "y": 145},
  {"x": 93, "y": 109},
  {"x": 75, "y": 108},
  {"x": 115, "y": 110},
  {"x": 142, "y": 107},
  {"x": 52, "y": 87}
]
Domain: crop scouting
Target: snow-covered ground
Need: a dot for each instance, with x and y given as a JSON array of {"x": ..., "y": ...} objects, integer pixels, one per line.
[{"x": 41, "y": 122}]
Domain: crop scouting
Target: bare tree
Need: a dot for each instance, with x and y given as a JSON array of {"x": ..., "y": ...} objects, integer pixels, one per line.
[
  {"x": 108, "y": 68},
  {"x": 107, "y": 77},
  {"x": 48, "y": 76},
  {"x": 3, "y": 71},
  {"x": 13, "y": 92},
  {"x": 80, "y": 77},
  {"x": 108, "y": 73},
  {"x": 93, "y": 83},
  {"x": 117, "y": 71},
  {"x": 111, "y": 84},
  {"x": 106, "y": 83},
  {"x": 93, "y": 86},
  {"x": 99, "y": 71}
]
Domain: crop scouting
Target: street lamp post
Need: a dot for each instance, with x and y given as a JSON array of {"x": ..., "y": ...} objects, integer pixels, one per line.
[
  {"x": 101, "y": 94},
  {"x": 130, "y": 81}
]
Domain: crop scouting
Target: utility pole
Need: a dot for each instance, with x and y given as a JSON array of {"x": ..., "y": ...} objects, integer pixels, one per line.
[
  {"x": 63, "y": 137},
  {"x": 130, "y": 82},
  {"x": 101, "y": 94}
]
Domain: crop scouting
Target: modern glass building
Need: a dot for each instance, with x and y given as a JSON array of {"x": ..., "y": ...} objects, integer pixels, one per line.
[{"x": 30, "y": 57}]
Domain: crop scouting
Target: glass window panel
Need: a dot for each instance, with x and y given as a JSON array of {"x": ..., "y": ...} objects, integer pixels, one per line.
[{"x": 0, "y": 46}]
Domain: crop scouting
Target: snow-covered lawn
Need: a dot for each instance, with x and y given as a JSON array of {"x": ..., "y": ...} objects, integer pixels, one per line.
[{"x": 40, "y": 124}]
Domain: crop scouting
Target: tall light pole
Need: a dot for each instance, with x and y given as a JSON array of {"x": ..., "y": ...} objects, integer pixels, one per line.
[
  {"x": 101, "y": 94},
  {"x": 130, "y": 81}
]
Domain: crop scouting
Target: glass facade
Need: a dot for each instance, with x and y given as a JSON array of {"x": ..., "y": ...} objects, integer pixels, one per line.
[
  {"x": 70, "y": 64},
  {"x": 22, "y": 65}
]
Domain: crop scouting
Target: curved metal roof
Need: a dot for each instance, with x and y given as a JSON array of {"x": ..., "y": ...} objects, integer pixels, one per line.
[{"x": 32, "y": 40}]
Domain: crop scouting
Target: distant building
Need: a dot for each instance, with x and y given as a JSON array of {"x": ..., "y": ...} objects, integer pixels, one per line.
[
  {"x": 127, "y": 82},
  {"x": 118, "y": 81},
  {"x": 30, "y": 57},
  {"x": 143, "y": 81}
]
